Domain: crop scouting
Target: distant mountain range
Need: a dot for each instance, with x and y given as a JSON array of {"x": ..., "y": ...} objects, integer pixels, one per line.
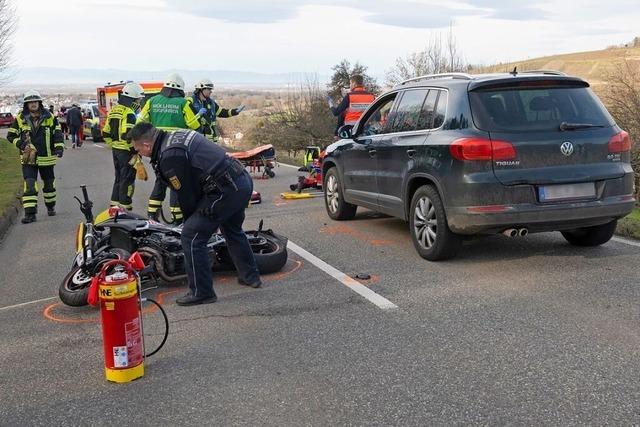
[{"x": 75, "y": 79}]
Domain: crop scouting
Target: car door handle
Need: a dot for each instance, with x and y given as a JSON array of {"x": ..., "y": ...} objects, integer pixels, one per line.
[
  {"x": 372, "y": 152},
  {"x": 411, "y": 153}
]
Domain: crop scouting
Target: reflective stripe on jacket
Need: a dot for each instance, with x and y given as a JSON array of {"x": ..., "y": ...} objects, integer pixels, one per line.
[
  {"x": 119, "y": 122},
  {"x": 359, "y": 101},
  {"x": 45, "y": 135}
]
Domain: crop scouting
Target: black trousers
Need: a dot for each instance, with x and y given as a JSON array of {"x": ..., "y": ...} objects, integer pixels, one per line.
[
  {"x": 227, "y": 209},
  {"x": 125, "y": 178},
  {"x": 157, "y": 197},
  {"x": 30, "y": 191}
]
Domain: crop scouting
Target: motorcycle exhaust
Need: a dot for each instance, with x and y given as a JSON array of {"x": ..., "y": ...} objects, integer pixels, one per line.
[
  {"x": 510, "y": 232},
  {"x": 157, "y": 261}
]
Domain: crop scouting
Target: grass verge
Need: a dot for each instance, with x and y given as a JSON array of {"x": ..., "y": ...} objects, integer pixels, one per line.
[
  {"x": 10, "y": 175},
  {"x": 629, "y": 226}
]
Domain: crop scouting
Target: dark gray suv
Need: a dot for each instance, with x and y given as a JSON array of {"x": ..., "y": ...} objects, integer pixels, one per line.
[{"x": 458, "y": 154}]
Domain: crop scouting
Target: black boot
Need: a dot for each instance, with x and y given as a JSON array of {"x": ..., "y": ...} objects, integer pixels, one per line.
[
  {"x": 154, "y": 216},
  {"x": 189, "y": 299},
  {"x": 28, "y": 218},
  {"x": 51, "y": 211}
]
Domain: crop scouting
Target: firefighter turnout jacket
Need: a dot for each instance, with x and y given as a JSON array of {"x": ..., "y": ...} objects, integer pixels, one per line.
[
  {"x": 208, "y": 120},
  {"x": 119, "y": 122},
  {"x": 43, "y": 133}
]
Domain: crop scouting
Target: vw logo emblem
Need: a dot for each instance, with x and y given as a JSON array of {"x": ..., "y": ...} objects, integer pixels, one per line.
[{"x": 566, "y": 148}]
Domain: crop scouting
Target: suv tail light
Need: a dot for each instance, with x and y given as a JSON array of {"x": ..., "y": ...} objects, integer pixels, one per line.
[
  {"x": 620, "y": 142},
  {"x": 481, "y": 149}
]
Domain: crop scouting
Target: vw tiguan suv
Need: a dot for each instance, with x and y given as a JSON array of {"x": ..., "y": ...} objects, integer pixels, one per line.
[{"x": 458, "y": 154}]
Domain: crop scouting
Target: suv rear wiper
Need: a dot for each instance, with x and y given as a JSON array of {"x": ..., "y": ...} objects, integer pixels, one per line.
[{"x": 573, "y": 126}]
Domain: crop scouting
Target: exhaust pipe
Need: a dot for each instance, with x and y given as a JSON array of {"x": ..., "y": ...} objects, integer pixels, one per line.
[
  {"x": 510, "y": 232},
  {"x": 523, "y": 232}
]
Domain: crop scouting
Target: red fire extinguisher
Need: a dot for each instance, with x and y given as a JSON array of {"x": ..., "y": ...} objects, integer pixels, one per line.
[{"x": 121, "y": 320}]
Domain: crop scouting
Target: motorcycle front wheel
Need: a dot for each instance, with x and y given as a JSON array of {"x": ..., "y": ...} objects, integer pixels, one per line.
[{"x": 74, "y": 289}]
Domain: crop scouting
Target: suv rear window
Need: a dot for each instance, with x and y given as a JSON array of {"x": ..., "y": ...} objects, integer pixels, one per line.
[{"x": 536, "y": 109}]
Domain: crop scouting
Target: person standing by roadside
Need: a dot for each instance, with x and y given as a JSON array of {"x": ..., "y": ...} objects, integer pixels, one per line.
[
  {"x": 74, "y": 121},
  {"x": 209, "y": 110},
  {"x": 120, "y": 120},
  {"x": 36, "y": 133},
  {"x": 169, "y": 110},
  {"x": 62, "y": 120},
  {"x": 353, "y": 104}
]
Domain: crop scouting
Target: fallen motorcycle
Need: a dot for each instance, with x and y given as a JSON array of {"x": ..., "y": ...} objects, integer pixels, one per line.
[{"x": 116, "y": 233}]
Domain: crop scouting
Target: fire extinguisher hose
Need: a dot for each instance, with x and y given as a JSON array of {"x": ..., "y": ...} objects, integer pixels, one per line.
[{"x": 166, "y": 327}]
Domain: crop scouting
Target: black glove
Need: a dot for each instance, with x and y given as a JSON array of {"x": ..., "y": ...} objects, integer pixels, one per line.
[{"x": 59, "y": 152}]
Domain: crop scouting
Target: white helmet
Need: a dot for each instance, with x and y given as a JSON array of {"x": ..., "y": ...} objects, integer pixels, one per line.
[
  {"x": 204, "y": 84},
  {"x": 32, "y": 96},
  {"x": 174, "y": 81},
  {"x": 133, "y": 90}
]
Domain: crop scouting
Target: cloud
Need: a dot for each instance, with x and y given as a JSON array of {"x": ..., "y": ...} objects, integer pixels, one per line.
[{"x": 403, "y": 13}]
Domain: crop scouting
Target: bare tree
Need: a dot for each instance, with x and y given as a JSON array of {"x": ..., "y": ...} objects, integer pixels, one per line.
[
  {"x": 441, "y": 55},
  {"x": 622, "y": 97},
  {"x": 299, "y": 119},
  {"x": 8, "y": 23}
]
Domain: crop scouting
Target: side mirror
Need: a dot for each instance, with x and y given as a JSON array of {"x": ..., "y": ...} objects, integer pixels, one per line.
[{"x": 345, "y": 131}]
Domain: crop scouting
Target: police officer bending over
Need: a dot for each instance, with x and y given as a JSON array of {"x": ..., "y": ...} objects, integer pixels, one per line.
[{"x": 213, "y": 190}]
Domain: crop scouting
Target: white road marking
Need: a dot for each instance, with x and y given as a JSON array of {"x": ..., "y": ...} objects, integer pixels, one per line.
[
  {"x": 27, "y": 303},
  {"x": 289, "y": 166},
  {"x": 625, "y": 241},
  {"x": 352, "y": 284}
]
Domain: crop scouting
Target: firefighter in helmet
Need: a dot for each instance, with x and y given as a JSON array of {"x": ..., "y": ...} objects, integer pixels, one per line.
[
  {"x": 120, "y": 120},
  {"x": 169, "y": 110},
  {"x": 36, "y": 133},
  {"x": 209, "y": 110}
]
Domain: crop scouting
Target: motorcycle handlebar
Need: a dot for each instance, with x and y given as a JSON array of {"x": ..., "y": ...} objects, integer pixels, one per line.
[{"x": 84, "y": 193}]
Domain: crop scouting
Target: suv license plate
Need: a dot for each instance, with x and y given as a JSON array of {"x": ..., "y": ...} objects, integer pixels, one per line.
[{"x": 585, "y": 190}]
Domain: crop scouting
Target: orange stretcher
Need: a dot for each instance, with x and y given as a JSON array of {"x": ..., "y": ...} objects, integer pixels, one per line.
[{"x": 260, "y": 159}]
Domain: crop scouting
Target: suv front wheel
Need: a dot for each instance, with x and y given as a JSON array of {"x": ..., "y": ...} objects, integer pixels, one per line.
[
  {"x": 334, "y": 201},
  {"x": 430, "y": 233}
]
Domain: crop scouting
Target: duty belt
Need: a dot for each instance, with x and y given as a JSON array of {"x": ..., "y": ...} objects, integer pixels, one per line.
[{"x": 217, "y": 180}]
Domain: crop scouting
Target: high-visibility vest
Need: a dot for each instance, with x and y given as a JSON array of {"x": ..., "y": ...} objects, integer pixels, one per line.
[{"x": 359, "y": 100}]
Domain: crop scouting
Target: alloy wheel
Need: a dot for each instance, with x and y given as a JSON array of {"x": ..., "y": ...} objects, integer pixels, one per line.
[
  {"x": 333, "y": 194},
  {"x": 425, "y": 223}
]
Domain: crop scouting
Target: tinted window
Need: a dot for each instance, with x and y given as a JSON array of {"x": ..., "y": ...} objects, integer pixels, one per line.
[
  {"x": 377, "y": 120},
  {"x": 441, "y": 109},
  {"x": 536, "y": 109},
  {"x": 428, "y": 110},
  {"x": 408, "y": 114}
]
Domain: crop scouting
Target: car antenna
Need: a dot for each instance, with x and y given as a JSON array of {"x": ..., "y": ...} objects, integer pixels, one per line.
[{"x": 515, "y": 71}]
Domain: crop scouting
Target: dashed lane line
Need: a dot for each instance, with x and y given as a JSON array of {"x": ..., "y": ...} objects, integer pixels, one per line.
[{"x": 350, "y": 283}]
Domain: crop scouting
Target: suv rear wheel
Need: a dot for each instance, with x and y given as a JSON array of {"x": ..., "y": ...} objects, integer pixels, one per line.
[
  {"x": 336, "y": 206},
  {"x": 591, "y": 236},
  {"x": 430, "y": 233}
]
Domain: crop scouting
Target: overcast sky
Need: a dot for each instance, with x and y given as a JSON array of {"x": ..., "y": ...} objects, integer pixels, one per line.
[{"x": 306, "y": 36}]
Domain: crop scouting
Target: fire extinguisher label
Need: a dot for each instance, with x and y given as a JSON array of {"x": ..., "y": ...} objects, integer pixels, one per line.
[
  {"x": 133, "y": 334},
  {"x": 120, "y": 357}
]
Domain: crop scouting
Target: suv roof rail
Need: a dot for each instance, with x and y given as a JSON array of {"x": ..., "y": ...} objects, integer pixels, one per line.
[
  {"x": 550, "y": 72},
  {"x": 462, "y": 76}
]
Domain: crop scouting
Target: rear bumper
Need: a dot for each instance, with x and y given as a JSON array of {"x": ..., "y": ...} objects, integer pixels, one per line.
[{"x": 540, "y": 217}]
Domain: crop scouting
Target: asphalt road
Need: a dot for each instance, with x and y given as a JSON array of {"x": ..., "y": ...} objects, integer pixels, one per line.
[{"x": 524, "y": 331}]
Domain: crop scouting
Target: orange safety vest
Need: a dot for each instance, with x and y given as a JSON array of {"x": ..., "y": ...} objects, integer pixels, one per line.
[{"x": 359, "y": 100}]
